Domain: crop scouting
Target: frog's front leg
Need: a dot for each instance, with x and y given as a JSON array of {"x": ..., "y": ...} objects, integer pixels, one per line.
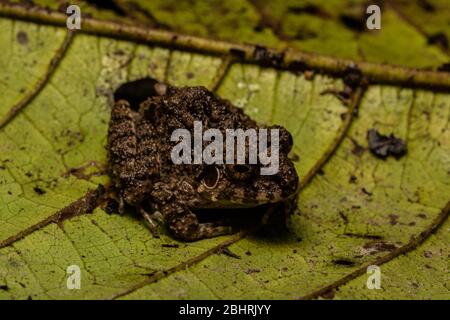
[
  {"x": 150, "y": 221},
  {"x": 183, "y": 223}
]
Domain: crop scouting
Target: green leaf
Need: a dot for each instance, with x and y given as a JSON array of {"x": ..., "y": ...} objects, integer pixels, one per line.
[
  {"x": 355, "y": 210},
  {"x": 422, "y": 270},
  {"x": 333, "y": 27}
]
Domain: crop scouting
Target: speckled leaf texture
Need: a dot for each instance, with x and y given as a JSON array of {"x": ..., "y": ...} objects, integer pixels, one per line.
[{"x": 354, "y": 209}]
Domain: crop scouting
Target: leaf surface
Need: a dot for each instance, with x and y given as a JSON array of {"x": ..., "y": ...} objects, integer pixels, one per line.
[
  {"x": 354, "y": 209},
  {"x": 333, "y": 27}
]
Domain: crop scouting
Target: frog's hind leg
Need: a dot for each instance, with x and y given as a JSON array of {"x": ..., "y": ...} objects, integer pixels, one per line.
[
  {"x": 185, "y": 226},
  {"x": 122, "y": 143}
]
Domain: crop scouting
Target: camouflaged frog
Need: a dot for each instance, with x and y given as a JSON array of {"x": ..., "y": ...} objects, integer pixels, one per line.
[{"x": 145, "y": 177}]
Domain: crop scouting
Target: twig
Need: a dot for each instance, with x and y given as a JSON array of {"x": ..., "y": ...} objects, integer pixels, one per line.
[{"x": 288, "y": 59}]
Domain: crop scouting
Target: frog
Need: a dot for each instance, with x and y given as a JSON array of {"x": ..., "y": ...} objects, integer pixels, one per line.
[{"x": 145, "y": 177}]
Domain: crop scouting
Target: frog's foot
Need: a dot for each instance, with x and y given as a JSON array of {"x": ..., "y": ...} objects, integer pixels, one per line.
[
  {"x": 150, "y": 221},
  {"x": 187, "y": 228}
]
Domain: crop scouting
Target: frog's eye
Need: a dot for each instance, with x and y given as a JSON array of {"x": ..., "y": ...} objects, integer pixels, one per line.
[
  {"x": 239, "y": 171},
  {"x": 210, "y": 177}
]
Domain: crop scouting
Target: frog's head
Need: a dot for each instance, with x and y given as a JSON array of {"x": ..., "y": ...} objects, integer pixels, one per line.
[{"x": 249, "y": 185}]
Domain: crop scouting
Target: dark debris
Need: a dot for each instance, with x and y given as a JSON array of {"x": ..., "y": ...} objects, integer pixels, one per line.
[
  {"x": 383, "y": 146},
  {"x": 268, "y": 57}
]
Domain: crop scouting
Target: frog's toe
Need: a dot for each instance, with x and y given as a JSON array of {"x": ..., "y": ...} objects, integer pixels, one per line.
[{"x": 150, "y": 222}]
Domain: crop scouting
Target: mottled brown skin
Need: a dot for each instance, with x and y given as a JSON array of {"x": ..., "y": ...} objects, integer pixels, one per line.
[{"x": 143, "y": 173}]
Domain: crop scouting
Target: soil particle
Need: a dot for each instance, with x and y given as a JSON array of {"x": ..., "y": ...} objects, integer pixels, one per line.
[
  {"x": 170, "y": 245},
  {"x": 22, "y": 37},
  {"x": 259, "y": 27},
  {"x": 39, "y": 191},
  {"x": 343, "y": 216},
  {"x": 356, "y": 23},
  {"x": 250, "y": 271},
  {"x": 426, "y": 5},
  {"x": 267, "y": 57},
  {"x": 298, "y": 65},
  {"x": 438, "y": 39},
  {"x": 229, "y": 253},
  {"x": 344, "y": 262},
  {"x": 237, "y": 53},
  {"x": 393, "y": 219},
  {"x": 352, "y": 77},
  {"x": 422, "y": 215},
  {"x": 357, "y": 150}
]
